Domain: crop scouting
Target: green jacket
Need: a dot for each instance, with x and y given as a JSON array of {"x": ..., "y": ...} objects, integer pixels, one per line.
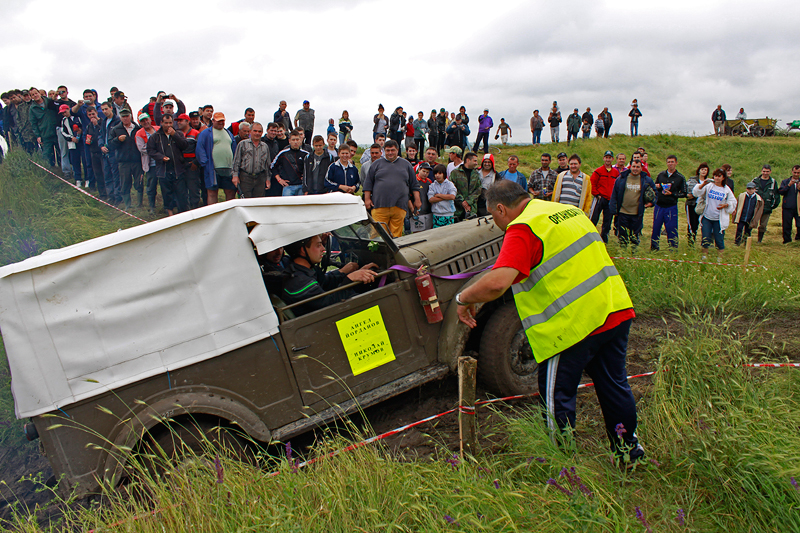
[
  {"x": 467, "y": 188},
  {"x": 768, "y": 190},
  {"x": 574, "y": 123},
  {"x": 43, "y": 120}
]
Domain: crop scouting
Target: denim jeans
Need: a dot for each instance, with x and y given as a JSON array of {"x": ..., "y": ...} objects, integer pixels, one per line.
[
  {"x": 537, "y": 136},
  {"x": 634, "y": 129},
  {"x": 66, "y": 164},
  {"x": 554, "y": 134},
  {"x": 293, "y": 190},
  {"x": 111, "y": 174},
  {"x": 711, "y": 231}
]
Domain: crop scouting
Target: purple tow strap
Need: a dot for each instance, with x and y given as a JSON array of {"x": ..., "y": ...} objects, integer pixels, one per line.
[{"x": 409, "y": 270}]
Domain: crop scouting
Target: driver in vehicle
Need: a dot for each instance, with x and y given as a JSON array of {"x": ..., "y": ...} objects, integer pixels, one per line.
[{"x": 306, "y": 279}]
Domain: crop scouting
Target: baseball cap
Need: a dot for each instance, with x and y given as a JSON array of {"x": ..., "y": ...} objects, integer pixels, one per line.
[
  {"x": 561, "y": 154},
  {"x": 62, "y": 108},
  {"x": 219, "y": 115},
  {"x": 183, "y": 116},
  {"x": 194, "y": 114},
  {"x": 608, "y": 152},
  {"x": 170, "y": 102},
  {"x": 453, "y": 150},
  {"x": 306, "y": 102},
  {"x": 125, "y": 113},
  {"x": 143, "y": 116},
  {"x": 751, "y": 185},
  {"x": 487, "y": 109},
  {"x": 424, "y": 165},
  {"x": 441, "y": 110}
]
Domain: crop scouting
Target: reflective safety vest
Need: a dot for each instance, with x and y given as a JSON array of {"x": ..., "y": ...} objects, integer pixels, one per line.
[{"x": 571, "y": 292}]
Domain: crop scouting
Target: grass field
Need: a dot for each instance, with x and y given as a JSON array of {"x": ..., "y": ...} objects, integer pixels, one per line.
[{"x": 723, "y": 440}]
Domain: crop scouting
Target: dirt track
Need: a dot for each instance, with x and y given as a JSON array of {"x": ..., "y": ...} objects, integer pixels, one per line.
[{"x": 431, "y": 399}]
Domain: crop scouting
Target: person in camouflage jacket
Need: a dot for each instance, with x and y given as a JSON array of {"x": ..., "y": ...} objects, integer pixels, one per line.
[{"x": 468, "y": 186}]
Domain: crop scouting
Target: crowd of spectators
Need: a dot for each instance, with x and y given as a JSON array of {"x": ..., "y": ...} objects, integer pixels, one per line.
[{"x": 107, "y": 145}]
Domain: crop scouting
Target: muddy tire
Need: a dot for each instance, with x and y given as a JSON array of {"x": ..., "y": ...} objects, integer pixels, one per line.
[
  {"x": 506, "y": 364},
  {"x": 197, "y": 437},
  {"x": 186, "y": 442}
]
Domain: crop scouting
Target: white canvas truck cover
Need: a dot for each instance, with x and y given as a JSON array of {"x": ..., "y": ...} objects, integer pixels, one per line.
[{"x": 117, "y": 309}]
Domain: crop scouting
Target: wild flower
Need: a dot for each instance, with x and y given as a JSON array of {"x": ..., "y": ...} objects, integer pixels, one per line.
[
  {"x": 620, "y": 430},
  {"x": 292, "y": 462},
  {"x": 28, "y": 247},
  {"x": 794, "y": 483},
  {"x": 681, "y": 517},
  {"x": 219, "y": 469},
  {"x": 575, "y": 481},
  {"x": 496, "y": 483},
  {"x": 641, "y": 518},
  {"x": 656, "y": 463},
  {"x": 453, "y": 461},
  {"x": 450, "y": 520},
  {"x": 555, "y": 483}
]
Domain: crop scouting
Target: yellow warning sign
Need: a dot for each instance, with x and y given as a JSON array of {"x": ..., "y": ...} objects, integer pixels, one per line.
[{"x": 365, "y": 339}]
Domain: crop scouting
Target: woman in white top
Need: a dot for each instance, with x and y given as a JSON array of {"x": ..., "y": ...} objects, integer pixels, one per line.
[{"x": 720, "y": 203}]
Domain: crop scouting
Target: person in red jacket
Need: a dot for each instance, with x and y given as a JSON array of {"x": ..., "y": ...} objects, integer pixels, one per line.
[{"x": 602, "y": 185}]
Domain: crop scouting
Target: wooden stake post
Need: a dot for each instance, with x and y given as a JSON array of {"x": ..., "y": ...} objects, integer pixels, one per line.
[
  {"x": 747, "y": 253},
  {"x": 467, "y": 373}
]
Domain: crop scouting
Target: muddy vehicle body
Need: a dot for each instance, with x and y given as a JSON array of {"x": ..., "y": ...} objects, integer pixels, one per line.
[{"x": 112, "y": 340}]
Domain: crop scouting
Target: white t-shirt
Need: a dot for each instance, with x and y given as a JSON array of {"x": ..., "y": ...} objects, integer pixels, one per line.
[{"x": 445, "y": 207}]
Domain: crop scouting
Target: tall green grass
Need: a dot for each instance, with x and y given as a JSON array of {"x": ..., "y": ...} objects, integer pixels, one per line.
[
  {"x": 39, "y": 212},
  {"x": 722, "y": 447}
]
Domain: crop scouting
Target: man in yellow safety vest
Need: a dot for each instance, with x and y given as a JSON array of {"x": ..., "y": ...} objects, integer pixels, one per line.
[{"x": 572, "y": 303}]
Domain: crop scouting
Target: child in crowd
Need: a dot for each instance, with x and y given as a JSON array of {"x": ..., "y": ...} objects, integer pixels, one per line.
[
  {"x": 749, "y": 209},
  {"x": 441, "y": 195},
  {"x": 586, "y": 128},
  {"x": 423, "y": 179}
]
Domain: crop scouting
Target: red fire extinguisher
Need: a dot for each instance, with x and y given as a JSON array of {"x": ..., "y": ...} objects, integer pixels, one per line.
[{"x": 427, "y": 294}]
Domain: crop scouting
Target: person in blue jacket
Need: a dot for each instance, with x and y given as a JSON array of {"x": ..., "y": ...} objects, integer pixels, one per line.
[
  {"x": 343, "y": 175},
  {"x": 217, "y": 174}
]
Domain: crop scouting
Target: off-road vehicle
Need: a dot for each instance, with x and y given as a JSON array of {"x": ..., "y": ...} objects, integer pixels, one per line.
[{"x": 112, "y": 340}]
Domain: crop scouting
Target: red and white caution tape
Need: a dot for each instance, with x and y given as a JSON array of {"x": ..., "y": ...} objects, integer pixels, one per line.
[
  {"x": 772, "y": 365},
  {"x": 686, "y": 261},
  {"x": 85, "y": 192}
]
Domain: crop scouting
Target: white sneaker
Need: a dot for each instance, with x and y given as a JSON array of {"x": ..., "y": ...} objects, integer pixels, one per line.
[
  {"x": 78, "y": 184},
  {"x": 704, "y": 258}
]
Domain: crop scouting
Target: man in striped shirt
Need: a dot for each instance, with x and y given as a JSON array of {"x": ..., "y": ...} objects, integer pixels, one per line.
[{"x": 573, "y": 187}]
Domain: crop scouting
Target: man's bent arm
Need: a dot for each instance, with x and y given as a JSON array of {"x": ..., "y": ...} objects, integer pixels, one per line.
[{"x": 490, "y": 287}]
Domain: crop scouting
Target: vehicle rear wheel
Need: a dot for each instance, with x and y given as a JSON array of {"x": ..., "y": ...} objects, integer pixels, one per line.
[
  {"x": 185, "y": 442},
  {"x": 506, "y": 364},
  {"x": 738, "y": 130}
]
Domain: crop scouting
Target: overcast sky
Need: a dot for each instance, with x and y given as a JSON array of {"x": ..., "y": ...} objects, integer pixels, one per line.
[{"x": 679, "y": 58}]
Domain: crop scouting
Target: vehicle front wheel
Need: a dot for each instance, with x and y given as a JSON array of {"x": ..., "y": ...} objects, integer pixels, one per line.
[{"x": 506, "y": 364}]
